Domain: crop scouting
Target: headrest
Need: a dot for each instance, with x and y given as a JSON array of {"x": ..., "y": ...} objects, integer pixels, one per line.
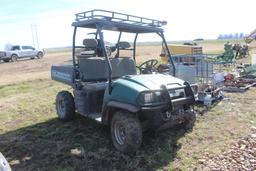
[
  {"x": 90, "y": 43},
  {"x": 124, "y": 45}
]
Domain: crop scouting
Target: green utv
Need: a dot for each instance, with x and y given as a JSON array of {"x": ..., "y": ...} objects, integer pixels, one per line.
[{"x": 109, "y": 90}]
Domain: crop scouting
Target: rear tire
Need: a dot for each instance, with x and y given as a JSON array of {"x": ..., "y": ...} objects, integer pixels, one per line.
[
  {"x": 126, "y": 132},
  {"x": 65, "y": 106},
  {"x": 14, "y": 58}
]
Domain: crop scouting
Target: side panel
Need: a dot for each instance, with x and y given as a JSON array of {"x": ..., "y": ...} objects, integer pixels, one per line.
[
  {"x": 88, "y": 102},
  {"x": 129, "y": 107},
  {"x": 63, "y": 74}
]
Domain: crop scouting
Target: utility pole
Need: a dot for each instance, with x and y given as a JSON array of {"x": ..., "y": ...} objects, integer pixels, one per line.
[{"x": 34, "y": 35}]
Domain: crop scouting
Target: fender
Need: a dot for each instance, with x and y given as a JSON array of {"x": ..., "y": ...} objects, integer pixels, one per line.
[
  {"x": 107, "y": 112},
  {"x": 15, "y": 54}
]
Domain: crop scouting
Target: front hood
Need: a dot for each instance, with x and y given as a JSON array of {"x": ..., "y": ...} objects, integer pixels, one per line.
[{"x": 154, "y": 81}]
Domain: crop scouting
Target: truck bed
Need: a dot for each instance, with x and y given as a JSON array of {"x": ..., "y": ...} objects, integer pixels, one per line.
[{"x": 63, "y": 73}]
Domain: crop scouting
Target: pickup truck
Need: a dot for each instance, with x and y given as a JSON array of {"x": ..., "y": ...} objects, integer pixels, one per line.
[{"x": 14, "y": 52}]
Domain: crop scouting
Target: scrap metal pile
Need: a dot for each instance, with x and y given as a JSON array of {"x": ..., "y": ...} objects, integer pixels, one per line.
[
  {"x": 213, "y": 73},
  {"x": 245, "y": 80}
]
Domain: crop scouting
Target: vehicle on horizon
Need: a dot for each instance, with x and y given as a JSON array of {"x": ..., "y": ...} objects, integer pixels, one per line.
[
  {"x": 15, "y": 52},
  {"x": 114, "y": 91}
]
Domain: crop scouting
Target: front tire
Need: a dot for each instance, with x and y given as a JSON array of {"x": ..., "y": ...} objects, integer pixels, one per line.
[
  {"x": 190, "y": 120},
  {"x": 65, "y": 106},
  {"x": 40, "y": 55},
  {"x": 126, "y": 132}
]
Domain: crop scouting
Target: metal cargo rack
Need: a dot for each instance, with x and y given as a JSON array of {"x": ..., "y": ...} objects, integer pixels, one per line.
[
  {"x": 118, "y": 17},
  {"x": 196, "y": 67}
]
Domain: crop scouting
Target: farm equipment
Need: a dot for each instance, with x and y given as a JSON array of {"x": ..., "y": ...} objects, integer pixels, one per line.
[
  {"x": 228, "y": 55},
  {"x": 239, "y": 84},
  {"x": 178, "y": 49},
  {"x": 195, "y": 67},
  {"x": 109, "y": 90},
  {"x": 241, "y": 51},
  {"x": 252, "y": 36}
]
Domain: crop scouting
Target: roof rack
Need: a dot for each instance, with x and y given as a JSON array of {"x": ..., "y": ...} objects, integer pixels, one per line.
[{"x": 118, "y": 17}]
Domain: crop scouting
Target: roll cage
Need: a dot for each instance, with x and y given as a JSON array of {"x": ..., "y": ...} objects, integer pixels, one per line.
[{"x": 115, "y": 21}]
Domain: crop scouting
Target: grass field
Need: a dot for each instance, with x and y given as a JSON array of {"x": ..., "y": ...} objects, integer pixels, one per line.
[{"x": 32, "y": 138}]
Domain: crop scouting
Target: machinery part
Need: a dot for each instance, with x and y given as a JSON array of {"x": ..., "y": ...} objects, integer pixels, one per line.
[
  {"x": 228, "y": 55},
  {"x": 126, "y": 132},
  {"x": 148, "y": 67},
  {"x": 252, "y": 36},
  {"x": 40, "y": 55},
  {"x": 65, "y": 106},
  {"x": 14, "y": 58},
  {"x": 241, "y": 51}
]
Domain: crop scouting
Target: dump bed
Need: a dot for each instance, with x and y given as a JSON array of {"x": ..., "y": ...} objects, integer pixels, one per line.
[{"x": 63, "y": 73}]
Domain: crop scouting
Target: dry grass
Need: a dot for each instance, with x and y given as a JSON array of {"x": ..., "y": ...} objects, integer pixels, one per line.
[{"x": 31, "y": 137}]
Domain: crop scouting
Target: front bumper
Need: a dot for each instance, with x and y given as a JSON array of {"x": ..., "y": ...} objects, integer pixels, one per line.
[
  {"x": 173, "y": 112},
  {"x": 162, "y": 117}
]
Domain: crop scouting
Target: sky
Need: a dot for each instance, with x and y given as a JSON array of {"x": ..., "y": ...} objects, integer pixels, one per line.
[{"x": 187, "y": 19}]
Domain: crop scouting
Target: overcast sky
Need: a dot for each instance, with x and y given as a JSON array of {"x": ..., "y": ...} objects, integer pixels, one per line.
[{"x": 187, "y": 19}]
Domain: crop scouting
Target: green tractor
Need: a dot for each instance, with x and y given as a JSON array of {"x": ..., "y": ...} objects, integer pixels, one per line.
[
  {"x": 114, "y": 91},
  {"x": 228, "y": 55}
]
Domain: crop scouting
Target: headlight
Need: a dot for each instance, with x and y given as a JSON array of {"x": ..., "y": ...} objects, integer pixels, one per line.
[{"x": 151, "y": 97}]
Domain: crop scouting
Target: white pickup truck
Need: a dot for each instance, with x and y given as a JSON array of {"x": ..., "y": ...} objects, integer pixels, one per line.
[{"x": 14, "y": 52}]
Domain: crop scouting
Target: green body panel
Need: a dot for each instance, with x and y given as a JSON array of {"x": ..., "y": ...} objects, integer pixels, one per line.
[
  {"x": 127, "y": 88},
  {"x": 228, "y": 55}
]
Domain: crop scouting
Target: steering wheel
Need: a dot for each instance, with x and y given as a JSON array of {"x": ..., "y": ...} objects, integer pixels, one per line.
[{"x": 148, "y": 67}]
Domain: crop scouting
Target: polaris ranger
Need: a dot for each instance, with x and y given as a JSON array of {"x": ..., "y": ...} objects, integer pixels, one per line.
[{"x": 113, "y": 90}]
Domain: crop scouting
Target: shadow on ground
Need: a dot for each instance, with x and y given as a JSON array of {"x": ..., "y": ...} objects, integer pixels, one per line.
[{"x": 83, "y": 144}]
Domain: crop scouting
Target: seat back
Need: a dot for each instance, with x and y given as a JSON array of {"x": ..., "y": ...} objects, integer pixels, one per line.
[
  {"x": 90, "y": 48},
  {"x": 124, "y": 45},
  {"x": 122, "y": 66},
  {"x": 96, "y": 68},
  {"x": 90, "y": 43}
]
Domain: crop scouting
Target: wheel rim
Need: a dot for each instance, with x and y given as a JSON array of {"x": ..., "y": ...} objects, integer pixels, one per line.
[
  {"x": 61, "y": 108},
  {"x": 14, "y": 58},
  {"x": 40, "y": 55},
  {"x": 119, "y": 133}
]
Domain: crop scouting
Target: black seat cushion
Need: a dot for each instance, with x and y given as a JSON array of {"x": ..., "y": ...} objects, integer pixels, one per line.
[{"x": 96, "y": 68}]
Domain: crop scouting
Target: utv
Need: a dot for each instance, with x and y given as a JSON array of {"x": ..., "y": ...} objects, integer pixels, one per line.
[{"x": 109, "y": 89}]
